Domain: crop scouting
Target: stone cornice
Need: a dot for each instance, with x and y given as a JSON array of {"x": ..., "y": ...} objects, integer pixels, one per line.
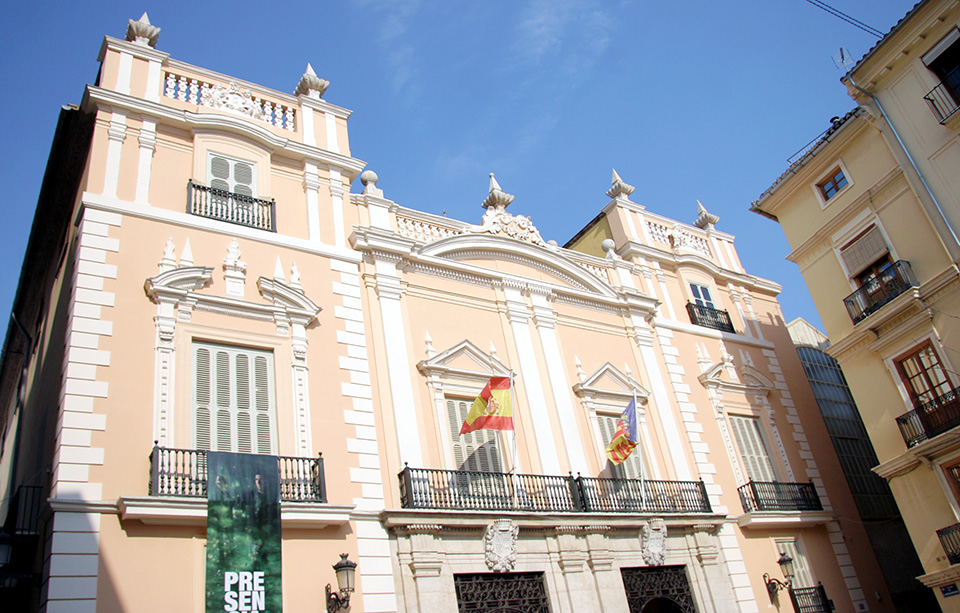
[
  {"x": 134, "y": 49},
  {"x": 922, "y": 453},
  {"x": 865, "y": 200},
  {"x": 172, "y": 511},
  {"x": 179, "y": 218},
  {"x": 914, "y": 37},
  {"x": 96, "y": 96},
  {"x": 679, "y": 326},
  {"x": 767, "y": 520},
  {"x": 724, "y": 275},
  {"x": 400, "y": 519}
]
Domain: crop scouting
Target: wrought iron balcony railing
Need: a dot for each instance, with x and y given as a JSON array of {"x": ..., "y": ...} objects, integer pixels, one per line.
[
  {"x": 424, "y": 488},
  {"x": 810, "y": 599},
  {"x": 230, "y": 207},
  {"x": 778, "y": 496},
  {"x": 23, "y": 515},
  {"x": 709, "y": 317},
  {"x": 880, "y": 290},
  {"x": 950, "y": 541},
  {"x": 931, "y": 418},
  {"x": 944, "y": 99},
  {"x": 183, "y": 472}
]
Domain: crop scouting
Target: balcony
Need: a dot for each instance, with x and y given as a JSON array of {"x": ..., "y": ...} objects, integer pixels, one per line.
[
  {"x": 944, "y": 99},
  {"x": 810, "y": 600},
  {"x": 709, "y": 317},
  {"x": 778, "y": 496},
  {"x": 234, "y": 208},
  {"x": 931, "y": 418},
  {"x": 183, "y": 473},
  {"x": 950, "y": 541},
  {"x": 880, "y": 290},
  {"x": 422, "y": 488}
]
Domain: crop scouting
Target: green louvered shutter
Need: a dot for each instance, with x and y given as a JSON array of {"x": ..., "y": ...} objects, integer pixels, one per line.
[{"x": 234, "y": 399}]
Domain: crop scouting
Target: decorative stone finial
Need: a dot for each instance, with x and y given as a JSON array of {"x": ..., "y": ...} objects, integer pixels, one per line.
[
  {"x": 619, "y": 187},
  {"x": 497, "y": 198},
  {"x": 142, "y": 33},
  {"x": 311, "y": 85},
  {"x": 369, "y": 180},
  {"x": 609, "y": 246},
  {"x": 704, "y": 218}
]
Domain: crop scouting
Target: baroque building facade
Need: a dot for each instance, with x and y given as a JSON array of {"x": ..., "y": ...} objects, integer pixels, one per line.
[
  {"x": 871, "y": 210},
  {"x": 281, "y": 314}
]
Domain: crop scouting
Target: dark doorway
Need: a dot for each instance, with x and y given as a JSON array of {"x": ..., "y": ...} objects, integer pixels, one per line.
[{"x": 657, "y": 589}]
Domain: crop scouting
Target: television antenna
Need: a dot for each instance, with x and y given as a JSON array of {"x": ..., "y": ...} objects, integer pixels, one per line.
[{"x": 842, "y": 60}]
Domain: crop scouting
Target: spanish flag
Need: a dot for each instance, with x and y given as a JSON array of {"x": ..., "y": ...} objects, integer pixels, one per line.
[
  {"x": 625, "y": 438},
  {"x": 492, "y": 409}
]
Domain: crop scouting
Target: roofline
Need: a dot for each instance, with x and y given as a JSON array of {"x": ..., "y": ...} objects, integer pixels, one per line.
[{"x": 880, "y": 43}]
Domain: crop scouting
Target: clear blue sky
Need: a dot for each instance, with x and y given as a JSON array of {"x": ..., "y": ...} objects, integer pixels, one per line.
[{"x": 696, "y": 100}]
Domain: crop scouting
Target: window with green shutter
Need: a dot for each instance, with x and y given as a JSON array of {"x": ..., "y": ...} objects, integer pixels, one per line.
[
  {"x": 233, "y": 400},
  {"x": 231, "y": 174},
  {"x": 476, "y": 451}
]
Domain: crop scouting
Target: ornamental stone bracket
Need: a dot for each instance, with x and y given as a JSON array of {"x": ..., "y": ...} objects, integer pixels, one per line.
[{"x": 500, "y": 544}]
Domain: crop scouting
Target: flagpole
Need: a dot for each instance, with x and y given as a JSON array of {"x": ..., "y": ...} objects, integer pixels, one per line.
[
  {"x": 636, "y": 420},
  {"x": 513, "y": 445}
]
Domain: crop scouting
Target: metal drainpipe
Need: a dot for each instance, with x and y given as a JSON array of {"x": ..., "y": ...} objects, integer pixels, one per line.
[{"x": 906, "y": 151}]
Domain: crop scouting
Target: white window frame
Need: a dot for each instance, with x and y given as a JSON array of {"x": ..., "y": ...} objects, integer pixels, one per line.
[
  {"x": 255, "y": 415},
  {"x": 761, "y": 433},
  {"x": 826, "y": 174},
  {"x": 233, "y": 161},
  {"x": 711, "y": 303},
  {"x": 803, "y": 575}
]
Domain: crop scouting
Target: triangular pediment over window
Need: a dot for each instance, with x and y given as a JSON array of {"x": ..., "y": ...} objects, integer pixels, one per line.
[
  {"x": 463, "y": 361},
  {"x": 608, "y": 384}
]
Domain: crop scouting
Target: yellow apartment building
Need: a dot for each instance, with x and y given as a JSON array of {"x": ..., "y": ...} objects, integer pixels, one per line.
[
  {"x": 280, "y": 318},
  {"x": 871, "y": 210}
]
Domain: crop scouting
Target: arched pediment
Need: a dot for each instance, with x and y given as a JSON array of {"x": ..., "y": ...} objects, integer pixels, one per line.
[
  {"x": 464, "y": 361},
  {"x": 476, "y": 248},
  {"x": 611, "y": 384}
]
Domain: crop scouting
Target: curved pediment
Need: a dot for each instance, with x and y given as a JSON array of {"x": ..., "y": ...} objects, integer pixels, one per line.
[
  {"x": 743, "y": 378},
  {"x": 514, "y": 257}
]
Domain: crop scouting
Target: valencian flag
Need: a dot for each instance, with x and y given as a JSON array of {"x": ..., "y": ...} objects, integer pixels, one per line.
[
  {"x": 492, "y": 410},
  {"x": 625, "y": 438}
]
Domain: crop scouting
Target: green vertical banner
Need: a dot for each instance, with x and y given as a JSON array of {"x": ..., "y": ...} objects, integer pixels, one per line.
[{"x": 243, "y": 533}]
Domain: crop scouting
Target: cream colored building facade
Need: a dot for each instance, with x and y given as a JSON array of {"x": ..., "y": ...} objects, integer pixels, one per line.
[
  {"x": 871, "y": 211},
  {"x": 375, "y": 326}
]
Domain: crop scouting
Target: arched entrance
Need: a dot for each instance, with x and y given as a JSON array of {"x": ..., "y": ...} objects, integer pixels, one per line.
[{"x": 661, "y": 605}]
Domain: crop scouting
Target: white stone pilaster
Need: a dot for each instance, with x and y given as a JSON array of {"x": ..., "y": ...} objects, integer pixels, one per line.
[
  {"x": 332, "y": 139},
  {"x": 545, "y": 321},
  {"x": 542, "y": 428},
  {"x": 148, "y": 144},
  {"x": 336, "y": 197},
  {"x": 116, "y": 134},
  {"x": 389, "y": 294},
  {"x": 311, "y": 185}
]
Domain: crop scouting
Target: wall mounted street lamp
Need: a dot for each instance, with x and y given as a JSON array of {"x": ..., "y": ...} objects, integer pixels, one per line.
[
  {"x": 346, "y": 575},
  {"x": 775, "y": 585}
]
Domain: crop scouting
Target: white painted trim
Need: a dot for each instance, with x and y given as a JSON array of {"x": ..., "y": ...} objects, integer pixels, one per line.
[
  {"x": 389, "y": 292},
  {"x": 112, "y": 204},
  {"x": 678, "y": 326},
  {"x": 529, "y": 370},
  {"x": 148, "y": 144},
  {"x": 814, "y": 185},
  {"x": 154, "y": 80},
  {"x": 336, "y": 202},
  {"x": 116, "y": 134},
  {"x": 124, "y": 70},
  {"x": 311, "y": 185},
  {"x": 306, "y": 123},
  {"x": 331, "y": 125},
  {"x": 544, "y": 319}
]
